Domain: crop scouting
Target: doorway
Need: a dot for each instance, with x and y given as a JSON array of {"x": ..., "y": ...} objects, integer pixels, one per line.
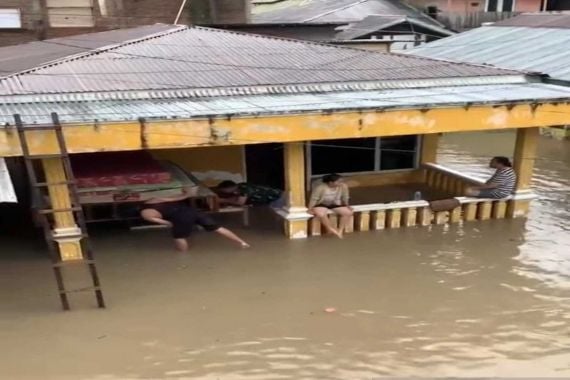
[{"x": 265, "y": 165}]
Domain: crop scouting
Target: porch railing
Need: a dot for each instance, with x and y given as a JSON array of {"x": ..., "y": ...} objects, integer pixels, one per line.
[{"x": 418, "y": 213}]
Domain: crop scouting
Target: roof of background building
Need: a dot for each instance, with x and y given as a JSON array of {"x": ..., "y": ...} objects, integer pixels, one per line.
[
  {"x": 14, "y": 59},
  {"x": 222, "y": 62},
  {"x": 544, "y": 49},
  {"x": 559, "y": 20},
  {"x": 333, "y": 11},
  {"x": 377, "y": 23}
]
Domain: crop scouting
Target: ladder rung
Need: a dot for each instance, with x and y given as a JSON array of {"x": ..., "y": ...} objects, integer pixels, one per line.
[
  {"x": 80, "y": 236},
  {"x": 45, "y": 184},
  {"x": 43, "y": 156},
  {"x": 53, "y": 211},
  {"x": 79, "y": 290},
  {"x": 73, "y": 263}
]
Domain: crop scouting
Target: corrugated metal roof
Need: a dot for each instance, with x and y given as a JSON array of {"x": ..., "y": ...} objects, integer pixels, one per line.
[
  {"x": 332, "y": 11},
  {"x": 129, "y": 110},
  {"x": 559, "y": 20},
  {"x": 376, "y": 23},
  {"x": 14, "y": 59},
  {"x": 213, "y": 59},
  {"x": 542, "y": 50}
]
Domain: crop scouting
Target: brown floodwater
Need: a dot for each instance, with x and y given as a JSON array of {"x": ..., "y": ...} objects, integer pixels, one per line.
[{"x": 478, "y": 299}]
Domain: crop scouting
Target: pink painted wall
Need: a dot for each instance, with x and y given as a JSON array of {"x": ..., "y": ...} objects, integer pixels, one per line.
[
  {"x": 527, "y": 5},
  {"x": 463, "y": 6}
]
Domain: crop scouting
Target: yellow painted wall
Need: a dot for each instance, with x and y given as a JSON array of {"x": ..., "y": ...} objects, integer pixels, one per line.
[
  {"x": 211, "y": 164},
  {"x": 381, "y": 178},
  {"x": 226, "y": 131}
]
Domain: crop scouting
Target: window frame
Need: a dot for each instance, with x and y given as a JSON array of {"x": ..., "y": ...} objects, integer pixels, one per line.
[
  {"x": 19, "y": 13},
  {"x": 377, "y": 164},
  {"x": 500, "y": 6},
  {"x": 63, "y": 6}
]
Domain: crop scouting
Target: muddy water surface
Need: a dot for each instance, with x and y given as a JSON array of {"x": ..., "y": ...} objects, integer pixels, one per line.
[{"x": 481, "y": 299}]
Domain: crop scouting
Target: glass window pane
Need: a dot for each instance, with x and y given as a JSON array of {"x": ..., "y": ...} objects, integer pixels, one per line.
[
  {"x": 10, "y": 19},
  {"x": 492, "y": 5},
  {"x": 342, "y": 156},
  {"x": 398, "y": 152},
  {"x": 507, "y": 6}
]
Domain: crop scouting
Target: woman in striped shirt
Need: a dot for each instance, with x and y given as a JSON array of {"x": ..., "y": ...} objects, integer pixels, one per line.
[{"x": 500, "y": 185}]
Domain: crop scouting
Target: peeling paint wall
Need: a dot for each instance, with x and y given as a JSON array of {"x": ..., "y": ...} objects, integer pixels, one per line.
[
  {"x": 286, "y": 128},
  {"x": 210, "y": 165}
]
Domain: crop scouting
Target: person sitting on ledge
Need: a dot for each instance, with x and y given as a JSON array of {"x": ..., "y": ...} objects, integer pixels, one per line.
[
  {"x": 500, "y": 185},
  {"x": 333, "y": 195}
]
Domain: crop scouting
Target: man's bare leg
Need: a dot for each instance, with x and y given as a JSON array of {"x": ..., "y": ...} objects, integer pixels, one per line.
[
  {"x": 181, "y": 245},
  {"x": 322, "y": 214},
  {"x": 344, "y": 213},
  {"x": 231, "y": 236}
]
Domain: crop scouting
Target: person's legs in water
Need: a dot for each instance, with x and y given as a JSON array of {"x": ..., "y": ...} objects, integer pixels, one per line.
[
  {"x": 210, "y": 225},
  {"x": 181, "y": 231},
  {"x": 233, "y": 237},
  {"x": 345, "y": 213},
  {"x": 181, "y": 244},
  {"x": 322, "y": 214}
]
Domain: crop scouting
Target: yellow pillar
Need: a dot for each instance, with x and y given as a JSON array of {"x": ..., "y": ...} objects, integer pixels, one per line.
[
  {"x": 523, "y": 161},
  {"x": 429, "y": 148},
  {"x": 65, "y": 231},
  {"x": 524, "y": 156},
  {"x": 428, "y": 154},
  {"x": 296, "y": 222}
]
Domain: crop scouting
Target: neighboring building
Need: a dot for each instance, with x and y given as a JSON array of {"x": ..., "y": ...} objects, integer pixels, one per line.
[
  {"x": 369, "y": 24},
  {"x": 462, "y": 15},
  {"x": 30, "y": 20},
  {"x": 394, "y": 30},
  {"x": 533, "y": 42}
]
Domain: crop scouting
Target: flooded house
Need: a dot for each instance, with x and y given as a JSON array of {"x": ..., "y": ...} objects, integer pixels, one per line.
[{"x": 218, "y": 105}]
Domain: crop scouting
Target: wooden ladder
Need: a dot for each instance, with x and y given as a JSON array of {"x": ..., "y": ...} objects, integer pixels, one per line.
[{"x": 44, "y": 212}]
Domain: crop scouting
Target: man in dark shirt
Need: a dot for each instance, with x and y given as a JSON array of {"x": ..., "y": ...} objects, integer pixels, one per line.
[{"x": 242, "y": 194}]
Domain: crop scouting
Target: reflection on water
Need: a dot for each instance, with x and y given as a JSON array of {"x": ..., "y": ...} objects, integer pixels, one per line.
[{"x": 479, "y": 299}]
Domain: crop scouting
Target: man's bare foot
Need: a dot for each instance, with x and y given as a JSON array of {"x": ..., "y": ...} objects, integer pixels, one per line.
[
  {"x": 245, "y": 245},
  {"x": 336, "y": 233}
]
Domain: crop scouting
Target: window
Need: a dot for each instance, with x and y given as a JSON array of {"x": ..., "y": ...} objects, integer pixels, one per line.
[
  {"x": 70, "y": 13},
  {"x": 10, "y": 18},
  {"x": 362, "y": 155},
  {"x": 500, "y": 6}
]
